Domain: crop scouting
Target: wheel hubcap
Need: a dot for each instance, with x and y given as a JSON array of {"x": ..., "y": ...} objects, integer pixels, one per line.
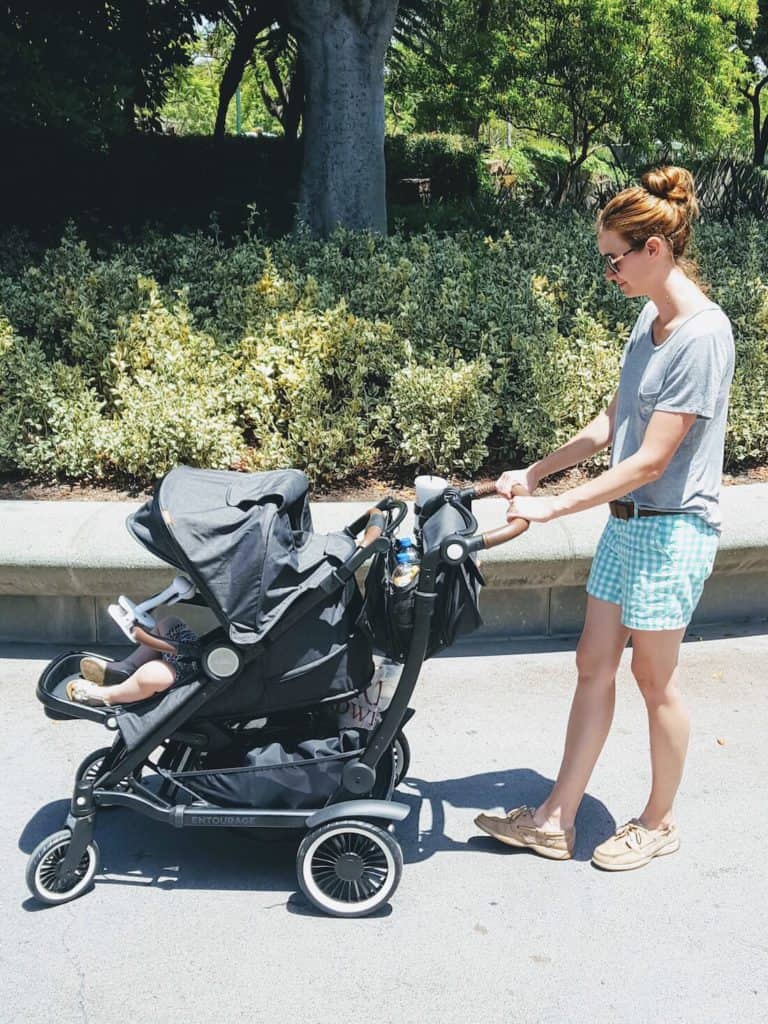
[
  {"x": 349, "y": 867},
  {"x": 51, "y": 873}
]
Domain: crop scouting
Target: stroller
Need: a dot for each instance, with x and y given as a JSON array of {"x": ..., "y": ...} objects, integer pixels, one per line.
[{"x": 252, "y": 740}]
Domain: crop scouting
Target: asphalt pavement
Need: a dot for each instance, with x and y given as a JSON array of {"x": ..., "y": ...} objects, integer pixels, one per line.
[{"x": 201, "y": 925}]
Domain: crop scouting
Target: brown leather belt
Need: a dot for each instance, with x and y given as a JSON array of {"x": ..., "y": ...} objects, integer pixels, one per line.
[{"x": 628, "y": 510}]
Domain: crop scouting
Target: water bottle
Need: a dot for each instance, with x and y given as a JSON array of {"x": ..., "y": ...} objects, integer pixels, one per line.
[{"x": 408, "y": 563}]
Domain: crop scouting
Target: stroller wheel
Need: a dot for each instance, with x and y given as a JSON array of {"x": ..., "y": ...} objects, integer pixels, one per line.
[
  {"x": 401, "y": 748},
  {"x": 349, "y": 868},
  {"x": 44, "y": 877},
  {"x": 90, "y": 768}
]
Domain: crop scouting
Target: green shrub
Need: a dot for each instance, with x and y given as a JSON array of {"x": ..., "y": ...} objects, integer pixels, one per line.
[
  {"x": 313, "y": 389},
  {"x": 172, "y": 394},
  {"x": 443, "y": 415},
  {"x": 451, "y": 162},
  {"x": 331, "y": 356},
  {"x": 50, "y": 420}
]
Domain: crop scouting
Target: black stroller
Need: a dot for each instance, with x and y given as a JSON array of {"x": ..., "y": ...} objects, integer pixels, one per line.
[{"x": 252, "y": 740}]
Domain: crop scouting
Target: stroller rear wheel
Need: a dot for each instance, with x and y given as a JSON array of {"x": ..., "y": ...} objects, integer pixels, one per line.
[
  {"x": 349, "y": 868},
  {"x": 401, "y": 748},
  {"x": 90, "y": 769},
  {"x": 44, "y": 875}
]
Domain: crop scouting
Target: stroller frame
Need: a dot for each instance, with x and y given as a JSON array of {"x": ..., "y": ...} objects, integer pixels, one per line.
[{"x": 110, "y": 777}]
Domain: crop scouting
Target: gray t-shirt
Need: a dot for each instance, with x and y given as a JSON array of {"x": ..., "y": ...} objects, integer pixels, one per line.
[{"x": 691, "y": 371}]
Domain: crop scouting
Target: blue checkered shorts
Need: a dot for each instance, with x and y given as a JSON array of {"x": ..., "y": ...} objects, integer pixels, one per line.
[{"x": 654, "y": 568}]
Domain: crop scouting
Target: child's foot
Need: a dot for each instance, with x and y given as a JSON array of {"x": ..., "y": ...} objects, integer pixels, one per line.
[
  {"x": 81, "y": 691},
  {"x": 102, "y": 672}
]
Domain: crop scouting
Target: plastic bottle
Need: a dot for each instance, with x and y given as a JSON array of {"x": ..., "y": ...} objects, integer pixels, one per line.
[{"x": 408, "y": 563}]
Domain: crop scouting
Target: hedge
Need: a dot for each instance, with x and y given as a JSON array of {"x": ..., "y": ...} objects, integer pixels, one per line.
[{"x": 349, "y": 357}]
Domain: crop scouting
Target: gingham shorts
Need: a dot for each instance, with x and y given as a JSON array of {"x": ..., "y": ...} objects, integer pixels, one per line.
[{"x": 654, "y": 568}]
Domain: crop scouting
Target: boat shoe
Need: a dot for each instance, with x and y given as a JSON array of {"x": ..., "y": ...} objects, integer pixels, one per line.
[
  {"x": 517, "y": 828},
  {"x": 101, "y": 671},
  {"x": 633, "y": 846}
]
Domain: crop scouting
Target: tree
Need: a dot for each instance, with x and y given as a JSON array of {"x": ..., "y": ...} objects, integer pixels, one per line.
[
  {"x": 441, "y": 68},
  {"x": 342, "y": 44},
  {"x": 753, "y": 41},
  {"x": 589, "y": 72},
  {"x": 92, "y": 68},
  {"x": 247, "y": 20}
]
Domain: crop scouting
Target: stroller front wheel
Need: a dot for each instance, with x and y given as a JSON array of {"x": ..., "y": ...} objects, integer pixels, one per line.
[
  {"x": 44, "y": 876},
  {"x": 349, "y": 868}
]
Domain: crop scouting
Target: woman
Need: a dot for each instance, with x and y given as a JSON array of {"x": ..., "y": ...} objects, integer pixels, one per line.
[{"x": 666, "y": 427}]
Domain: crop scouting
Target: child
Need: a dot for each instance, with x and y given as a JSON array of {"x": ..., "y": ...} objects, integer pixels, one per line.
[{"x": 145, "y": 672}]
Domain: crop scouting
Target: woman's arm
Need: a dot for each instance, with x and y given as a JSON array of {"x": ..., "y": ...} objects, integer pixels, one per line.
[
  {"x": 582, "y": 446},
  {"x": 663, "y": 436}
]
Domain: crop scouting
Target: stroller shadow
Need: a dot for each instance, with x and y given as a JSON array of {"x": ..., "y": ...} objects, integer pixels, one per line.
[
  {"x": 506, "y": 789},
  {"x": 139, "y": 852},
  {"x": 136, "y": 851}
]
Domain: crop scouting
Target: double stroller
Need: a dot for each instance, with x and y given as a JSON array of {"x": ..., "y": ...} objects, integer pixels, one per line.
[{"x": 252, "y": 740}]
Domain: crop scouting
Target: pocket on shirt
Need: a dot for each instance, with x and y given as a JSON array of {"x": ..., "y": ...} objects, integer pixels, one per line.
[{"x": 647, "y": 403}]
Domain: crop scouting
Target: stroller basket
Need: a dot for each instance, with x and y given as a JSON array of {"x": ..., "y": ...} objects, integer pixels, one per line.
[{"x": 276, "y": 776}]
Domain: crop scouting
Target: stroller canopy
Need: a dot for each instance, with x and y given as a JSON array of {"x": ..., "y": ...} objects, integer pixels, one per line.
[{"x": 245, "y": 540}]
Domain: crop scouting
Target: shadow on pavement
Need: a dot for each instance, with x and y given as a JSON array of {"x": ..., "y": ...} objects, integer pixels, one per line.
[{"x": 489, "y": 790}]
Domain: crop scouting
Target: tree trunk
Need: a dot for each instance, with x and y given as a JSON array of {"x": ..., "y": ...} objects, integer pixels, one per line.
[
  {"x": 342, "y": 44},
  {"x": 759, "y": 126},
  {"x": 245, "y": 40},
  {"x": 288, "y": 107}
]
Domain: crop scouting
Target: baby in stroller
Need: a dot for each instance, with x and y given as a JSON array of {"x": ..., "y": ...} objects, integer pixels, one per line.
[{"x": 148, "y": 670}]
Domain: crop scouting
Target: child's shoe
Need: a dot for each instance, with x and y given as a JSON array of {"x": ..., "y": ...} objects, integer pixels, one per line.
[
  {"x": 81, "y": 691},
  {"x": 102, "y": 672}
]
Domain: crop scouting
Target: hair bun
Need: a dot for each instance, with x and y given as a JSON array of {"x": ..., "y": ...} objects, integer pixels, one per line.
[{"x": 675, "y": 184}]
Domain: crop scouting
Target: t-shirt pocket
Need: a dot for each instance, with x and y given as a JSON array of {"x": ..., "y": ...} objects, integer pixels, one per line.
[{"x": 646, "y": 402}]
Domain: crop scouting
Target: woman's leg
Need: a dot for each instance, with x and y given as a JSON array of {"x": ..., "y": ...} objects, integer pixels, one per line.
[
  {"x": 597, "y": 658},
  {"x": 655, "y": 656}
]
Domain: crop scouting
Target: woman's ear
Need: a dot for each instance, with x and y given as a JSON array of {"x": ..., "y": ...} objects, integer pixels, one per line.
[{"x": 654, "y": 245}]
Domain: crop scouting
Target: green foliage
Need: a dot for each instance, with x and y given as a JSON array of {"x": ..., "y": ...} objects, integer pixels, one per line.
[
  {"x": 451, "y": 162},
  {"x": 443, "y": 416},
  {"x": 193, "y": 94},
  {"x": 583, "y": 73},
  {"x": 92, "y": 69},
  {"x": 314, "y": 386},
  {"x": 345, "y": 357}
]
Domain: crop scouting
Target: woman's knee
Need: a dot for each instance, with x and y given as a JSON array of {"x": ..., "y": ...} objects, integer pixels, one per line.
[
  {"x": 655, "y": 682},
  {"x": 594, "y": 669}
]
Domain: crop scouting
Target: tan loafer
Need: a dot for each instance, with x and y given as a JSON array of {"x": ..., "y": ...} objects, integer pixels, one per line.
[
  {"x": 83, "y": 691},
  {"x": 633, "y": 846},
  {"x": 517, "y": 828}
]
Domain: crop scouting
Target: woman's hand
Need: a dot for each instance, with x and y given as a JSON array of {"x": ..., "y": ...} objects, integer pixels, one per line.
[
  {"x": 517, "y": 478},
  {"x": 535, "y": 510}
]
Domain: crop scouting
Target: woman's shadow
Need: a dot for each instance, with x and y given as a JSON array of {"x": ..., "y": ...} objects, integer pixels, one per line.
[{"x": 505, "y": 789}]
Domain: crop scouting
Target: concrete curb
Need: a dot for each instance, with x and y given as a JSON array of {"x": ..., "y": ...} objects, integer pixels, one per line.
[{"x": 62, "y": 562}]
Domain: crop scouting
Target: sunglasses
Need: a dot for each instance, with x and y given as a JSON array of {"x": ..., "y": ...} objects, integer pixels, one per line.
[{"x": 612, "y": 262}]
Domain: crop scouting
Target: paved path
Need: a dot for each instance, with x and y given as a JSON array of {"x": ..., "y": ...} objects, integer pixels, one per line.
[{"x": 200, "y": 926}]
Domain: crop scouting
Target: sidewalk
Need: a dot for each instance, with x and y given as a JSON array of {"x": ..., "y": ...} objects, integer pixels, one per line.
[{"x": 205, "y": 926}]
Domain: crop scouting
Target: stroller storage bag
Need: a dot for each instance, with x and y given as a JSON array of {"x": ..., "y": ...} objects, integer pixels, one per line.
[
  {"x": 388, "y": 611},
  {"x": 276, "y": 776}
]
